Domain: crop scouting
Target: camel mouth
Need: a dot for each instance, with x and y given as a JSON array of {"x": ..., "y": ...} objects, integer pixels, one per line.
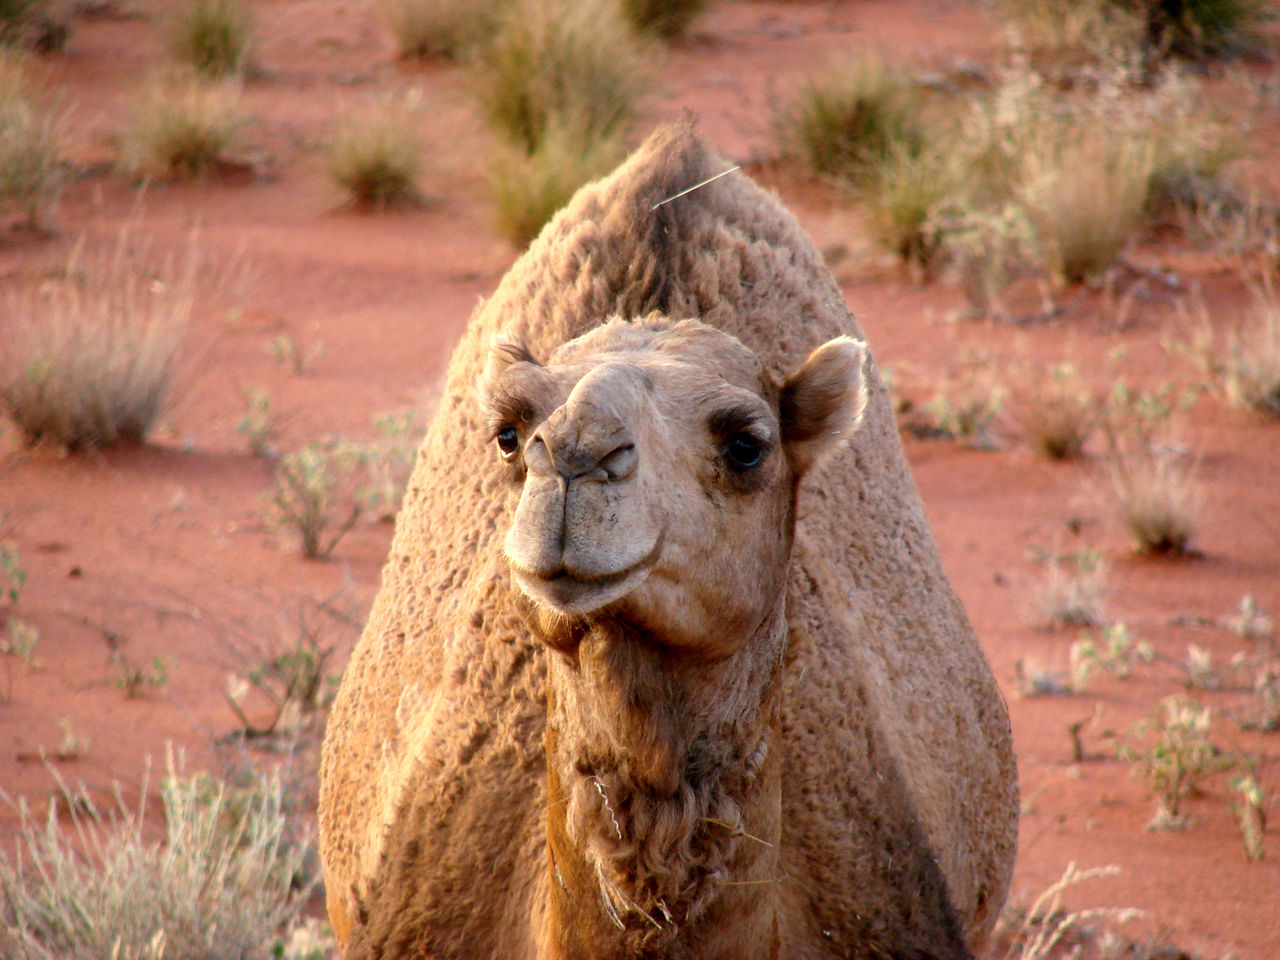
[{"x": 574, "y": 593}]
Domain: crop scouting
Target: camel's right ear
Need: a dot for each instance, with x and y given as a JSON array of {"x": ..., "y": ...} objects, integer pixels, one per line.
[{"x": 822, "y": 402}]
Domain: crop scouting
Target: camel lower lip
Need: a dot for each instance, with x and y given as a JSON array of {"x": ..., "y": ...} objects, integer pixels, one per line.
[
  {"x": 578, "y": 594},
  {"x": 569, "y": 594}
]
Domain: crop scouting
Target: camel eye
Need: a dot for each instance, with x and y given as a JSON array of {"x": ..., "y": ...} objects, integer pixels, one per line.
[
  {"x": 743, "y": 451},
  {"x": 508, "y": 442}
]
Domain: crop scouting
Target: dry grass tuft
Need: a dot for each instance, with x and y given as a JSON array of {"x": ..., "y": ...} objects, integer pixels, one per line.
[
  {"x": 452, "y": 29},
  {"x": 561, "y": 64},
  {"x": 30, "y": 131},
  {"x": 180, "y": 128},
  {"x": 1252, "y": 373},
  {"x": 1086, "y": 193},
  {"x": 228, "y": 881},
  {"x": 528, "y": 188},
  {"x": 1157, "y": 497},
  {"x": 1071, "y": 595},
  {"x": 1057, "y": 415},
  {"x": 376, "y": 155},
  {"x": 90, "y": 356},
  {"x": 852, "y": 118},
  {"x": 214, "y": 37}
]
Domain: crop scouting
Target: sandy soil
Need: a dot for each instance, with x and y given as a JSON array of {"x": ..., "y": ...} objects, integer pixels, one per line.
[{"x": 165, "y": 551}]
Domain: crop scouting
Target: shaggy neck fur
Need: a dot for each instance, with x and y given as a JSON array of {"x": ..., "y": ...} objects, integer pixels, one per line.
[{"x": 663, "y": 796}]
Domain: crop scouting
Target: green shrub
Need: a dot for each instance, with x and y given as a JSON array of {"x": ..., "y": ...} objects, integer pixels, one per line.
[
  {"x": 528, "y": 188},
  {"x": 562, "y": 64},
  {"x": 852, "y": 118},
  {"x": 375, "y": 155},
  {"x": 226, "y": 883},
  {"x": 212, "y": 36},
  {"x": 90, "y": 358},
  {"x": 30, "y": 173},
  {"x": 180, "y": 128},
  {"x": 665, "y": 18},
  {"x": 441, "y": 28}
]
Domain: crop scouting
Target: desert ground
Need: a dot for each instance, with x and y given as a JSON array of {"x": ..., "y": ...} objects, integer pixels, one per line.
[{"x": 157, "y": 580}]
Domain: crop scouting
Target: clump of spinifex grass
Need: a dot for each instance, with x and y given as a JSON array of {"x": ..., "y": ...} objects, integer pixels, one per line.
[
  {"x": 560, "y": 63},
  {"x": 664, "y": 18},
  {"x": 850, "y": 119},
  {"x": 90, "y": 356},
  {"x": 529, "y": 187},
  {"x": 214, "y": 37},
  {"x": 559, "y": 85},
  {"x": 31, "y": 175},
  {"x": 375, "y": 155},
  {"x": 180, "y": 127},
  {"x": 451, "y": 29}
]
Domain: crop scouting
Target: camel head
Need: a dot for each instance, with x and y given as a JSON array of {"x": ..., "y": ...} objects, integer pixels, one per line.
[{"x": 658, "y": 466}]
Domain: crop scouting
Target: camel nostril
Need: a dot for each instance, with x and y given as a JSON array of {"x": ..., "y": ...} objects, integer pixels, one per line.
[{"x": 621, "y": 462}]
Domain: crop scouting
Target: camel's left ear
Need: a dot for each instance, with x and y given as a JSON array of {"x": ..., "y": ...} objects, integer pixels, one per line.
[{"x": 823, "y": 401}]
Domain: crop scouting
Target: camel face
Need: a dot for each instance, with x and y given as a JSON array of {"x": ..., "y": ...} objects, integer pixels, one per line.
[{"x": 657, "y": 468}]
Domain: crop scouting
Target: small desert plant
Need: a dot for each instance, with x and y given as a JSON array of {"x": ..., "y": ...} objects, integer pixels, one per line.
[
  {"x": 375, "y": 155},
  {"x": 666, "y": 18},
  {"x": 966, "y": 410},
  {"x": 12, "y": 574},
  {"x": 388, "y": 461},
  {"x": 575, "y": 66},
  {"x": 1112, "y": 651},
  {"x": 212, "y": 36},
  {"x": 180, "y": 127},
  {"x": 440, "y": 28},
  {"x": 258, "y": 424},
  {"x": 1057, "y": 414},
  {"x": 90, "y": 356},
  {"x": 848, "y": 121},
  {"x": 30, "y": 131},
  {"x": 1071, "y": 595},
  {"x": 294, "y": 682},
  {"x": 287, "y": 352},
  {"x": 1177, "y": 759},
  {"x": 529, "y": 187},
  {"x": 308, "y": 497},
  {"x": 218, "y": 887},
  {"x": 135, "y": 679}
]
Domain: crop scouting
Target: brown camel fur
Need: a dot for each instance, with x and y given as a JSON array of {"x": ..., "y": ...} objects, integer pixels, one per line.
[{"x": 630, "y": 688}]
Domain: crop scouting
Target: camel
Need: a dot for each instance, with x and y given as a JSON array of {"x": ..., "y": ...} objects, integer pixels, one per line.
[{"x": 664, "y": 662}]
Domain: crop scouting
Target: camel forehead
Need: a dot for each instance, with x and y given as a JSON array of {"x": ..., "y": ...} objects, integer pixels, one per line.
[{"x": 680, "y": 354}]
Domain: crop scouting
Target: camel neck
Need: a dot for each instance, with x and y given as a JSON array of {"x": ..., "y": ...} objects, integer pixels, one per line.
[{"x": 663, "y": 809}]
